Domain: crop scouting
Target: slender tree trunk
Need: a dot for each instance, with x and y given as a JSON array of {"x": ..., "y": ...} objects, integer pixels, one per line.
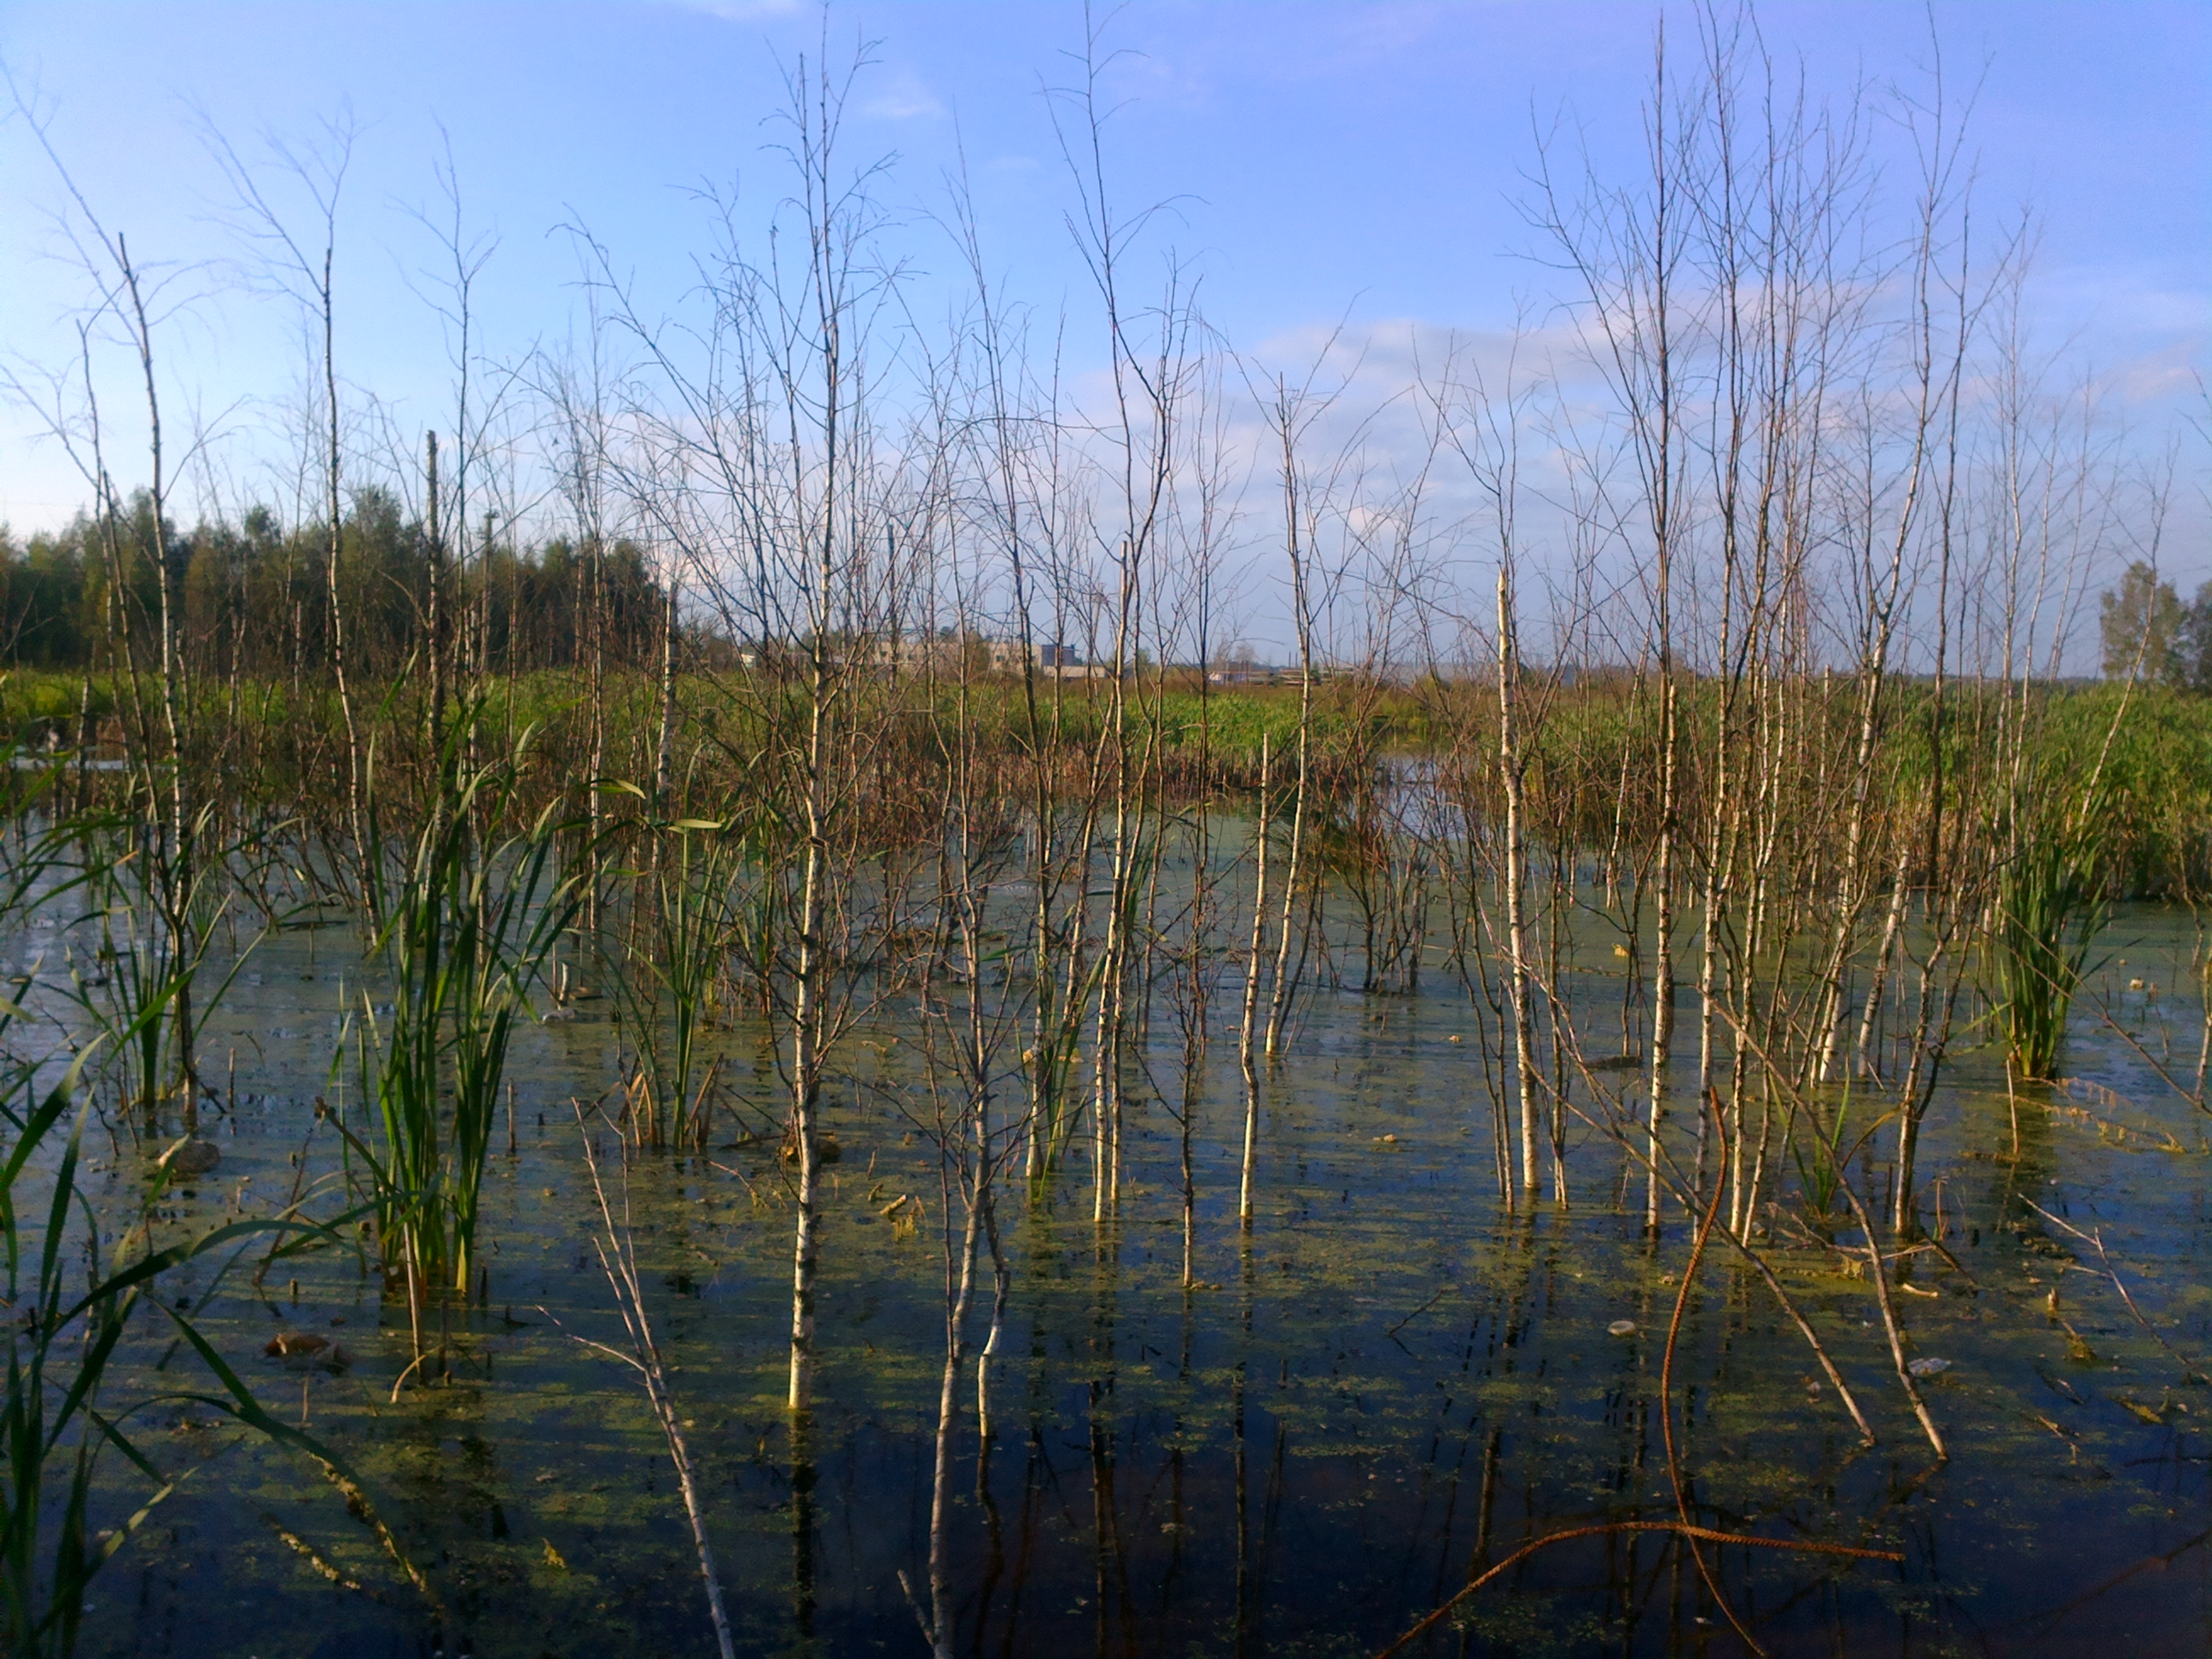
[
  {"x": 1516, "y": 878},
  {"x": 1250, "y": 1161}
]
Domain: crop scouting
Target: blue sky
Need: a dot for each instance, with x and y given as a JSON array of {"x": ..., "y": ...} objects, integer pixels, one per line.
[{"x": 1315, "y": 161}]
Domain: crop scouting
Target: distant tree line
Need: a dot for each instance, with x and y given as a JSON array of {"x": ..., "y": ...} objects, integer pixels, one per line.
[
  {"x": 2149, "y": 632},
  {"x": 256, "y": 596}
]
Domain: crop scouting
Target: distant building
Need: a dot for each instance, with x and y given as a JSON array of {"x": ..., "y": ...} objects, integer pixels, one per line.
[
  {"x": 944, "y": 655},
  {"x": 922, "y": 654},
  {"x": 1007, "y": 656}
]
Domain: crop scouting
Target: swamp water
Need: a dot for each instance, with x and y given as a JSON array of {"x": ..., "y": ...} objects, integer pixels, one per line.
[{"x": 1393, "y": 1385}]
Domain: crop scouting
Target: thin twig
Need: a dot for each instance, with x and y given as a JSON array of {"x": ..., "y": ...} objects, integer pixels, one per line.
[
  {"x": 620, "y": 1266},
  {"x": 1681, "y": 1528},
  {"x": 2189, "y": 1372}
]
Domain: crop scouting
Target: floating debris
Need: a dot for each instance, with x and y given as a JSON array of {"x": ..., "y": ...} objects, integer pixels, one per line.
[
  {"x": 305, "y": 1351},
  {"x": 1621, "y": 1328},
  {"x": 192, "y": 1157},
  {"x": 1929, "y": 1367},
  {"x": 826, "y": 1150}
]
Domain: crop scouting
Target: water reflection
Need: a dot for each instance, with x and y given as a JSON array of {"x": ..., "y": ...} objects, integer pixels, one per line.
[{"x": 1382, "y": 1391}]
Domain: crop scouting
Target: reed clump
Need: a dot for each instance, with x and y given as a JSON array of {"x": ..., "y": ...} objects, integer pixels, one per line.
[
  {"x": 462, "y": 925},
  {"x": 671, "y": 982},
  {"x": 2053, "y": 898}
]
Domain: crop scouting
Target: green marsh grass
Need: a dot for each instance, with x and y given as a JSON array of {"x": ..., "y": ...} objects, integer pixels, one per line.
[
  {"x": 2052, "y": 900},
  {"x": 463, "y": 931},
  {"x": 74, "y": 1291},
  {"x": 152, "y": 991},
  {"x": 668, "y": 993}
]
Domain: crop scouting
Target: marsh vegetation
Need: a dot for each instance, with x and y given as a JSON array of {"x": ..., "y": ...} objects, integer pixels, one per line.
[{"x": 711, "y": 1005}]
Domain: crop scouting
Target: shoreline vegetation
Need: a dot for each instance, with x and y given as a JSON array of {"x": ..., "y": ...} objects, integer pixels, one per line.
[
  {"x": 778, "y": 722},
  {"x": 270, "y": 748}
]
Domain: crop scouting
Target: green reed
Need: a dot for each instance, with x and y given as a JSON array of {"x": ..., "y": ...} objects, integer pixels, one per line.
[
  {"x": 2052, "y": 900},
  {"x": 153, "y": 990},
  {"x": 60, "y": 1347},
  {"x": 463, "y": 931},
  {"x": 1820, "y": 1165},
  {"x": 71, "y": 1303},
  {"x": 667, "y": 993}
]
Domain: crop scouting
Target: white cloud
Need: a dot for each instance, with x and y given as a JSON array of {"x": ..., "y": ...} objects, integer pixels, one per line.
[
  {"x": 904, "y": 96},
  {"x": 739, "y": 11}
]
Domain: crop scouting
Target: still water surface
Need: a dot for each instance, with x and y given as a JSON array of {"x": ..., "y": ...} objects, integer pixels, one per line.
[{"x": 1391, "y": 1386}]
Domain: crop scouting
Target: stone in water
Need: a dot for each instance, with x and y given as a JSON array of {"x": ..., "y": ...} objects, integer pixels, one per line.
[{"x": 192, "y": 1157}]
